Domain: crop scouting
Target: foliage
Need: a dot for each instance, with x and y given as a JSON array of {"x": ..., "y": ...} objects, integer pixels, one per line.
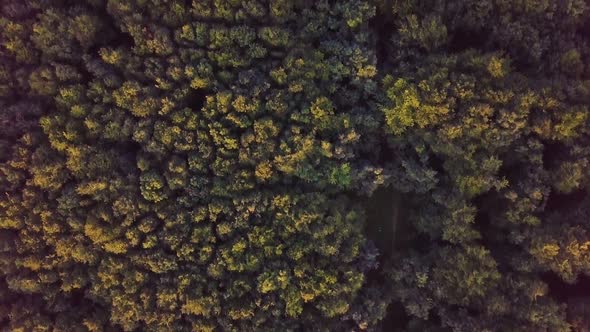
[
  {"x": 150, "y": 151},
  {"x": 491, "y": 132},
  {"x": 200, "y": 165}
]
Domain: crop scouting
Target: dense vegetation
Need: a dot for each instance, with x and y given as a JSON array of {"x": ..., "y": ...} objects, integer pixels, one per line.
[{"x": 209, "y": 165}]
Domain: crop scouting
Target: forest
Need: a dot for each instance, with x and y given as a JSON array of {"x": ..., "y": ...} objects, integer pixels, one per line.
[{"x": 295, "y": 165}]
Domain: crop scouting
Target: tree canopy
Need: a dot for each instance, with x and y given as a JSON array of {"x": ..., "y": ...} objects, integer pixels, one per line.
[{"x": 172, "y": 165}]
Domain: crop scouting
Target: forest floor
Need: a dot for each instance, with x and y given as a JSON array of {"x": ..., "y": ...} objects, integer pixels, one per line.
[
  {"x": 384, "y": 211},
  {"x": 385, "y": 215}
]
